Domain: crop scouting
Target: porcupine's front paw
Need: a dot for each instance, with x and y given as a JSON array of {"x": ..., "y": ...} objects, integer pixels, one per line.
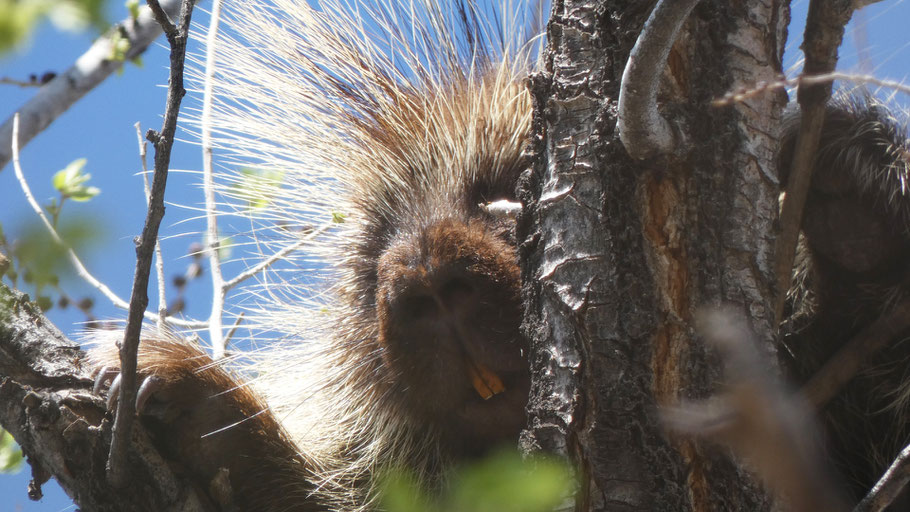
[{"x": 199, "y": 415}]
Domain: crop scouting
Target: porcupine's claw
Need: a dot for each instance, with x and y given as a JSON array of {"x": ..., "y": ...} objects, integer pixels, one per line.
[
  {"x": 111, "y": 376},
  {"x": 113, "y": 393},
  {"x": 105, "y": 375}
]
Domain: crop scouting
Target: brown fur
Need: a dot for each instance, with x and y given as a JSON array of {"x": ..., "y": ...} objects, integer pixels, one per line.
[
  {"x": 205, "y": 421},
  {"x": 853, "y": 268},
  {"x": 423, "y": 286}
]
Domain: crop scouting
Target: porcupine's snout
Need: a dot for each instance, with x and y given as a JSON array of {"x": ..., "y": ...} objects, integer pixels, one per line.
[{"x": 449, "y": 312}]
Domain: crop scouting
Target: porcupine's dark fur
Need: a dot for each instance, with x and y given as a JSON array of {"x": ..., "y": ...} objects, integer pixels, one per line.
[
  {"x": 403, "y": 119},
  {"x": 854, "y": 266}
]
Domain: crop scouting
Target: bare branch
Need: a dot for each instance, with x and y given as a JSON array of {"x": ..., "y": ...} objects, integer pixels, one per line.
[
  {"x": 46, "y": 403},
  {"x": 163, "y": 141},
  {"x": 824, "y": 33},
  {"x": 759, "y": 420},
  {"x": 889, "y": 487},
  {"x": 71, "y": 254},
  {"x": 212, "y": 240},
  {"x": 643, "y": 130},
  {"x": 760, "y": 88},
  {"x": 845, "y": 364},
  {"x": 92, "y": 68},
  {"x": 159, "y": 258}
]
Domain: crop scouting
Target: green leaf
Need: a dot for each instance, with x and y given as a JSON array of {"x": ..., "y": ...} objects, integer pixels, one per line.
[
  {"x": 503, "y": 482},
  {"x": 83, "y": 194},
  {"x": 43, "y": 259},
  {"x": 17, "y": 19},
  {"x": 225, "y": 246},
  {"x": 120, "y": 45},
  {"x": 71, "y": 182},
  {"x": 402, "y": 493},
  {"x": 10, "y": 454},
  {"x": 257, "y": 187},
  {"x": 507, "y": 483},
  {"x": 133, "y": 7},
  {"x": 338, "y": 217}
]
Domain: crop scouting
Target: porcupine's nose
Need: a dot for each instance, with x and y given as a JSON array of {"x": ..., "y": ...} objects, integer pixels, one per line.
[
  {"x": 448, "y": 297},
  {"x": 438, "y": 283}
]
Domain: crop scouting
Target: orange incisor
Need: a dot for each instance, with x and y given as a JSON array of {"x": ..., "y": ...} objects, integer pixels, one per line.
[{"x": 486, "y": 383}]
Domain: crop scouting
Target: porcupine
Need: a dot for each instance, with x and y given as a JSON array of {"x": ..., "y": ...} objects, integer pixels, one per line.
[
  {"x": 853, "y": 267},
  {"x": 403, "y": 119}
]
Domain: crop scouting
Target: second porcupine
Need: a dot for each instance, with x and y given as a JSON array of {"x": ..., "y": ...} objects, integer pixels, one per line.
[
  {"x": 852, "y": 269},
  {"x": 401, "y": 121}
]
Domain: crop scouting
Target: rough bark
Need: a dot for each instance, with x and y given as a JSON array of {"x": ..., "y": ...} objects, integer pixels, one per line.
[
  {"x": 46, "y": 403},
  {"x": 618, "y": 255}
]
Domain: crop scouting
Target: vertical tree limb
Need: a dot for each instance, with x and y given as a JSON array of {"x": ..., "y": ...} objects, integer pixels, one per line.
[{"x": 163, "y": 141}]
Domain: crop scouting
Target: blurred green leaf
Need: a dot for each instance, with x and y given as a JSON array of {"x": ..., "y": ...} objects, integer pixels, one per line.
[
  {"x": 507, "y": 483},
  {"x": 402, "y": 493},
  {"x": 10, "y": 454},
  {"x": 120, "y": 44},
  {"x": 338, "y": 217},
  {"x": 71, "y": 182},
  {"x": 133, "y": 7},
  {"x": 18, "y": 18},
  {"x": 42, "y": 259},
  {"x": 502, "y": 482},
  {"x": 225, "y": 246},
  {"x": 257, "y": 187}
]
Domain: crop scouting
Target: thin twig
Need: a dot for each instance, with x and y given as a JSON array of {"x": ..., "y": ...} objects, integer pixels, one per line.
[
  {"x": 642, "y": 130},
  {"x": 159, "y": 258},
  {"x": 266, "y": 263},
  {"x": 823, "y": 35},
  {"x": 760, "y": 88},
  {"x": 212, "y": 240},
  {"x": 759, "y": 419},
  {"x": 230, "y": 334},
  {"x": 845, "y": 364},
  {"x": 129, "y": 348},
  {"x": 889, "y": 486},
  {"x": 77, "y": 264},
  {"x": 20, "y": 83}
]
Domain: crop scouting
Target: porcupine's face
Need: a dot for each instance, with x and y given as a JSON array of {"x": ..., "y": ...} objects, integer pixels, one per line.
[{"x": 448, "y": 306}]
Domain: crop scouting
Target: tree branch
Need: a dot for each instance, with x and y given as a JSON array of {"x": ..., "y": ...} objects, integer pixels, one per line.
[
  {"x": 129, "y": 348},
  {"x": 47, "y": 405},
  {"x": 212, "y": 239},
  {"x": 845, "y": 364},
  {"x": 77, "y": 264},
  {"x": 92, "y": 68},
  {"x": 823, "y": 35},
  {"x": 159, "y": 258},
  {"x": 642, "y": 129},
  {"x": 759, "y": 420},
  {"x": 889, "y": 487}
]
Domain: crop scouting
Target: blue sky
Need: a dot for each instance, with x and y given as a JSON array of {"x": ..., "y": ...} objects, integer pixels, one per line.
[{"x": 100, "y": 129}]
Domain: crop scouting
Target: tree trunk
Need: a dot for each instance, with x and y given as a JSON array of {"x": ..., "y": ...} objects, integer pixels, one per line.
[{"x": 619, "y": 256}]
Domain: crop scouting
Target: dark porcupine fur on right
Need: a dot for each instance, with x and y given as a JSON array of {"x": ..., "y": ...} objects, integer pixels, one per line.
[{"x": 853, "y": 267}]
